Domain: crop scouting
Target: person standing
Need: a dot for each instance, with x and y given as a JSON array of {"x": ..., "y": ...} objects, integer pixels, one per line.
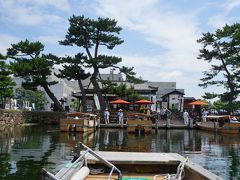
[
  {"x": 186, "y": 117},
  {"x": 204, "y": 115},
  {"x": 106, "y": 116},
  {"x": 120, "y": 116},
  {"x": 162, "y": 111},
  {"x": 167, "y": 116}
]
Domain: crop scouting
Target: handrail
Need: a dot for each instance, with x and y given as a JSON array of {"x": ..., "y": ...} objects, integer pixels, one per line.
[
  {"x": 45, "y": 173},
  {"x": 73, "y": 164},
  {"x": 109, "y": 164},
  {"x": 81, "y": 159}
]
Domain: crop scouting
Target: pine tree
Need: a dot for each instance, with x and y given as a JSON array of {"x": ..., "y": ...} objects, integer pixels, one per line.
[
  {"x": 6, "y": 82},
  {"x": 73, "y": 69},
  {"x": 29, "y": 63},
  {"x": 222, "y": 50},
  {"x": 91, "y": 35}
]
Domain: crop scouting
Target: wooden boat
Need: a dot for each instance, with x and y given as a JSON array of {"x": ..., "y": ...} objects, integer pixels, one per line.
[
  {"x": 139, "y": 123},
  {"x": 220, "y": 124},
  {"x": 79, "y": 122},
  {"x": 99, "y": 165}
]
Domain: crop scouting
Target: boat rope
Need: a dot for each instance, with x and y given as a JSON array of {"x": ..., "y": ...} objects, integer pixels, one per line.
[{"x": 178, "y": 176}]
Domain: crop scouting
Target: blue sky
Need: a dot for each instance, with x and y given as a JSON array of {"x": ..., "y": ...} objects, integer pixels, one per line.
[{"x": 159, "y": 35}]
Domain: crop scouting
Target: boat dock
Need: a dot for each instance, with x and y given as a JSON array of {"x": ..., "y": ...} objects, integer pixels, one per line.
[
  {"x": 161, "y": 124},
  {"x": 176, "y": 122}
]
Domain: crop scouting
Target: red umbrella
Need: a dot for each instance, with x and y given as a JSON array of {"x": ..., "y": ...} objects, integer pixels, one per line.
[
  {"x": 200, "y": 103},
  {"x": 119, "y": 101},
  {"x": 143, "y": 101}
]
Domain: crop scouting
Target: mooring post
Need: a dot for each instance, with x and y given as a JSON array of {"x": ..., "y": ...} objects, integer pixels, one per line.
[
  {"x": 156, "y": 125},
  {"x": 168, "y": 123},
  {"x": 190, "y": 123}
]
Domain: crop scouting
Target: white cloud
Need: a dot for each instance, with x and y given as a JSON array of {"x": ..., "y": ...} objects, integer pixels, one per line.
[
  {"x": 218, "y": 21},
  {"x": 221, "y": 19},
  {"x": 62, "y": 5},
  {"x": 27, "y": 12},
  {"x": 231, "y": 4},
  {"x": 51, "y": 39},
  {"x": 165, "y": 28},
  {"x": 169, "y": 76},
  {"x": 160, "y": 26},
  {"x": 6, "y": 41}
]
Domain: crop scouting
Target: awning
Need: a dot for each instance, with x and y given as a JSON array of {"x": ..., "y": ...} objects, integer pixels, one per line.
[
  {"x": 119, "y": 101},
  {"x": 143, "y": 101},
  {"x": 199, "y": 103}
]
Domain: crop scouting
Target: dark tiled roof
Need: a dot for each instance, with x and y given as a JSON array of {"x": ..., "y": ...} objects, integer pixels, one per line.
[{"x": 178, "y": 91}]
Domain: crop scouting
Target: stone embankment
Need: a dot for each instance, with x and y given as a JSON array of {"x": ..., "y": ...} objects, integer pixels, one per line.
[{"x": 17, "y": 117}]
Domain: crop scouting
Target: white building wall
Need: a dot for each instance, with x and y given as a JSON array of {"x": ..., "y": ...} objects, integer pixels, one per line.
[
  {"x": 153, "y": 106},
  {"x": 175, "y": 100},
  {"x": 60, "y": 90}
]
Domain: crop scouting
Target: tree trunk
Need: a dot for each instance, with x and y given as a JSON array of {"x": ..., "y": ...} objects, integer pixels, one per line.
[
  {"x": 2, "y": 103},
  {"x": 79, "y": 104},
  {"x": 230, "y": 102},
  {"x": 97, "y": 88},
  {"x": 52, "y": 97},
  {"x": 84, "y": 98}
]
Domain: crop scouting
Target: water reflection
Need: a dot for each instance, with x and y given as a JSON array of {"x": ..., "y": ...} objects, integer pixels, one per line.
[{"x": 24, "y": 151}]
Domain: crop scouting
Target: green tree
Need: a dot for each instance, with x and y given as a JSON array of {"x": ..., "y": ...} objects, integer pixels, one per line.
[
  {"x": 73, "y": 69},
  {"x": 29, "y": 63},
  {"x": 125, "y": 92},
  {"x": 37, "y": 97},
  {"x": 221, "y": 50},
  {"x": 90, "y": 35},
  {"x": 218, "y": 105},
  {"x": 208, "y": 95},
  {"x": 6, "y": 82},
  {"x": 75, "y": 104}
]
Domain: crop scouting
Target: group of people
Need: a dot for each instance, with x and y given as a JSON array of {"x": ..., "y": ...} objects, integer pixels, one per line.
[
  {"x": 119, "y": 116},
  {"x": 165, "y": 114},
  {"x": 187, "y": 118}
]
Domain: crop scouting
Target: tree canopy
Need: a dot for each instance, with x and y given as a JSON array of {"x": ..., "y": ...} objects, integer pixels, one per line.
[
  {"x": 6, "y": 82},
  {"x": 222, "y": 50},
  {"x": 90, "y": 35},
  {"x": 37, "y": 97},
  {"x": 72, "y": 69},
  {"x": 29, "y": 63}
]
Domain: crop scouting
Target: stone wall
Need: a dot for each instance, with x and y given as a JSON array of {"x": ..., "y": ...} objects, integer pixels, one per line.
[
  {"x": 47, "y": 117},
  {"x": 15, "y": 117}
]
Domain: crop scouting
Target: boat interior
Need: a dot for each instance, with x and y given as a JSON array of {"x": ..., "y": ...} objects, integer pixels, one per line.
[
  {"x": 132, "y": 171},
  {"x": 130, "y": 166}
]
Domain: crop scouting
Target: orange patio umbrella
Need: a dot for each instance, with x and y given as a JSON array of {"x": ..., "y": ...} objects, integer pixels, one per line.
[
  {"x": 119, "y": 101},
  {"x": 198, "y": 102},
  {"x": 143, "y": 101}
]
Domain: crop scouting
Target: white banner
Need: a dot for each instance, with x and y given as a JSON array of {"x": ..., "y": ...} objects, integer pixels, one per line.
[{"x": 96, "y": 100}]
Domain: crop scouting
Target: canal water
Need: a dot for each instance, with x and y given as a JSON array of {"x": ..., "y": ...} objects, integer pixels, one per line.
[{"x": 25, "y": 150}]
